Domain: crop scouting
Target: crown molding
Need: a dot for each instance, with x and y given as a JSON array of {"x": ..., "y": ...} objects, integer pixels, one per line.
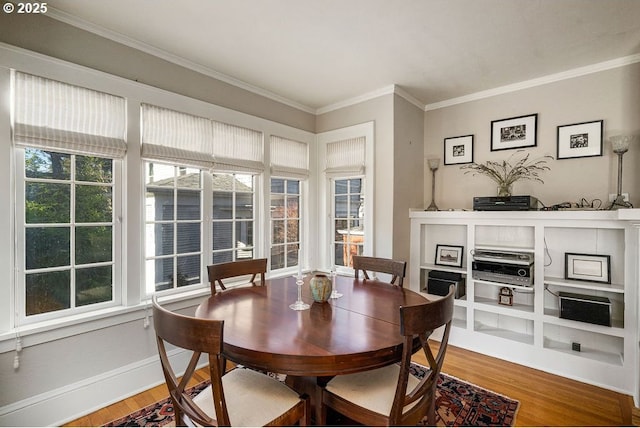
[
  {"x": 551, "y": 78},
  {"x": 175, "y": 59}
]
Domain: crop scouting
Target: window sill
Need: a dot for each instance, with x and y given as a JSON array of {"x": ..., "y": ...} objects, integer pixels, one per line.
[{"x": 47, "y": 331}]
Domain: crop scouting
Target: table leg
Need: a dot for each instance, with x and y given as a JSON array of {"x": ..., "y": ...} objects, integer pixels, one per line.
[{"x": 309, "y": 385}]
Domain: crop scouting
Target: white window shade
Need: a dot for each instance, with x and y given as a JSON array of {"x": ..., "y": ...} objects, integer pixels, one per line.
[
  {"x": 346, "y": 156},
  {"x": 237, "y": 149},
  {"x": 57, "y": 116},
  {"x": 177, "y": 138},
  {"x": 289, "y": 158}
]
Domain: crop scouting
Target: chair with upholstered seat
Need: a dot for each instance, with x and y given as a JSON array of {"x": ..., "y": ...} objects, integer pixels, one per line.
[
  {"x": 394, "y": 268},
  {"x": 218, "y": 272},
  {"x": 391, "y": 395},
  {"x": 241, "y": 397}
]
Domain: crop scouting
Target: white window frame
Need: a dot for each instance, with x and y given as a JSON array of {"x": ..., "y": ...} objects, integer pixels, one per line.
[
  {"x": 326, "y": 230},
  {"x": 21, "y": 226}
]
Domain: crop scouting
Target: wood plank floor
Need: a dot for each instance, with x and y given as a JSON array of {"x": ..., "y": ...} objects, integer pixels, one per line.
[{"x": 545, "y": 399}]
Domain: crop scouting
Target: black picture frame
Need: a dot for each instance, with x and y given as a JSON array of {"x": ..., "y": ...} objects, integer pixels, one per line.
[
  {"x": 449, "y": 255},
  {"x": 580, "y": 140},
  {"x": 587, "y": 267},
  {"x": 458, "y": 150},
  {"x": 514, "y": 132}
]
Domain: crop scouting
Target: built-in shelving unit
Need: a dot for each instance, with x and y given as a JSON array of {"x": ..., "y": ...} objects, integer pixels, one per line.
[{"x": 530, "y": 331}]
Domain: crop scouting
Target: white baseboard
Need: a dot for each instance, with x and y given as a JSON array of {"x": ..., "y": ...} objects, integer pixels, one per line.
[{"x": 62, "y": 405}]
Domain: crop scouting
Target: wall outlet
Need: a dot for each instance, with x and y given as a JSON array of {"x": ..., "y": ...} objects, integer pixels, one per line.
[
  {"x": 575, "y": 346},
  {"x": 612, "y": 197}
]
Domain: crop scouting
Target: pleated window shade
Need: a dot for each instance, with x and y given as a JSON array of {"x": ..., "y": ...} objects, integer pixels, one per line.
[
  {"x": 289, "y": 158},
  {"x": 56, "y": 116},
  {"x": 346, "y": 156},
  {"x": 237, "y": 149},
  {"x": 177, "y": 138}
]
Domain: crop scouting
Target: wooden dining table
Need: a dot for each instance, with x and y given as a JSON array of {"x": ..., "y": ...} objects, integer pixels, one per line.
[{"x": 356, "y": 332}]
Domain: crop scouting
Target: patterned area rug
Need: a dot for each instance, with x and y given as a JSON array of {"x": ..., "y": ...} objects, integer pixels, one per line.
[{"x": 458, "y": 403}]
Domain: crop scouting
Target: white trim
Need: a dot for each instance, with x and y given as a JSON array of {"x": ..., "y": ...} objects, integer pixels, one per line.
[
  {"x": 64, "y": 404},
  {"x": 175, "y": 59},
  {"x": 551, "y": 78}
]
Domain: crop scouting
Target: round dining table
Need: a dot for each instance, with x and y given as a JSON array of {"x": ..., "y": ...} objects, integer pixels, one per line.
[{"x": 356, "y": 332}]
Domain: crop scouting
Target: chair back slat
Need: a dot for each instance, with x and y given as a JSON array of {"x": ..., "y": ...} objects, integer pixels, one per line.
[
  {"x": 219, "y": 271},
  {"x": 395, "y": 268}
]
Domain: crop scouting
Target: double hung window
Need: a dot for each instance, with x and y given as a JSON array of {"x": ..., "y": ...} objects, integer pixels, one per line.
[
  {"x": 289, "y": 170},
  {"x": 68, "y": 144}
]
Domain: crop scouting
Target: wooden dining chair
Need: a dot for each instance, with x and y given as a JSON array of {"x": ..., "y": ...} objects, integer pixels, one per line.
[
  {"x": 391, "y": 395},
  {"x": 219, "y": 271},
  {"x": 240, "y": 397},
  {"x": 394, "y": 268}
]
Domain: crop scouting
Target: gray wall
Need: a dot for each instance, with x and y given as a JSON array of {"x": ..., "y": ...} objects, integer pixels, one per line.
[
  {"x": 610, "y": 95},
  {"x": 50, "y": 37}
]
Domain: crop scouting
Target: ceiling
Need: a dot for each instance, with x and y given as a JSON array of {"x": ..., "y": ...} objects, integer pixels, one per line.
[{"x": 318, "y": 53}]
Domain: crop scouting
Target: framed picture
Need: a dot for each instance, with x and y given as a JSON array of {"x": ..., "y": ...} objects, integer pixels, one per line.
[
  {"x": 458, "y": 150},
  {"x": 449, "y": 255},
  {"x": 580, "y": 140},
  {"x": 514, "y": 133},
  {"x": 587, "y": 267}
]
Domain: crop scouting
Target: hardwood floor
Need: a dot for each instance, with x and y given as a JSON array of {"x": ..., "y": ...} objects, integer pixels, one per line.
[{"x": 545, "y": 399}]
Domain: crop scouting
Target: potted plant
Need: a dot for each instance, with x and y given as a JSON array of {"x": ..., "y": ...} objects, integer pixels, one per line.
[{"x": 508, "y": 171}]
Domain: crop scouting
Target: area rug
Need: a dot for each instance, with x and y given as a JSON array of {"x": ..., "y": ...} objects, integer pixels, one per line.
[{"x": 458, "y": 403}]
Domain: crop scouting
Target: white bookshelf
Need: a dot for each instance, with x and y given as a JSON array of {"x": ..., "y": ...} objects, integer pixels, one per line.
[{"x": 531, "y": 332}]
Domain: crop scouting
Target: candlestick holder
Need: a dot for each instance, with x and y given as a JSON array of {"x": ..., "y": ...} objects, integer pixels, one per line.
[
  {"x": 334, "y": 292},
  {"x": 299, "y": 305},
  {"x": 434, "y": 163}
]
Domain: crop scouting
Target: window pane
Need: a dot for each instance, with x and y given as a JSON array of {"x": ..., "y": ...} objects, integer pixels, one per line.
[
  {"x": 277, "y": 232},
  {"x": 162, "y": 273},
  {"x": 277, "y": 185},
  {"x": 94, "y": 285},
  {"x": 159, "y": 204},
  {"x": 243, "y": 183},
  {"x": 188, "y": 238},
  {"x": 43, "y": 164},
  {"x": 293, "y": 203},
  {"x": 188, "y": 270},
  {"x": 244, "y": 205},
  {"x": 354, "y": 206},
  {"x": 222, "y": 235},
  {"x": 158, "y": 174},
  {"x": 47, "y": 203},
  {"x": 189, "y": 205},
  {"x": 47, "y": 292},
  {"x": 355, "y": 185},
  {"x": 341, "y": 187},
  {"x": 223, "y": 257},
  {"x": 189, "y": 178},
  {"x": 340, "y": 255},
  {"x": 222, "y": 205},
  {"x": 159, "y": 239},
  {"x": 292, "y": 254},
  {"x": 277, "y": 257},
  {"x": 341, "y": 206},
  {"x": 277, "y": 206},
  {"x": 93, "y": 244},
  {"x": 47, "y": 247},
  {"x": 223, "y": 182},
  {"x": 293, "y": 234},
  {"x": 93, "y": 169},
  {"x": 244, "y": 234},
  {"x": 293, "y": 187},
  {"x": 93, "y": 204}
]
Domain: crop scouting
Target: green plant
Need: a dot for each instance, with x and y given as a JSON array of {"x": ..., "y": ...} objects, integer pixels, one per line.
[{"x": 508, "y": 171}]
